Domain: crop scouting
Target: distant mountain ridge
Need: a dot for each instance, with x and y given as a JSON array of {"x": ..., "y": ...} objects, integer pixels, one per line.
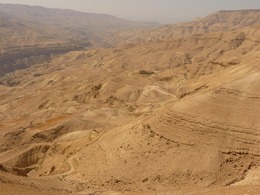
[
  {"x": 66, "y": 16},
  {"x": 93, "y": 26},
  {"x": 34, "y": 31},
  {"x": 47, "y": 31},
  {"x": 219, "y": 21}
]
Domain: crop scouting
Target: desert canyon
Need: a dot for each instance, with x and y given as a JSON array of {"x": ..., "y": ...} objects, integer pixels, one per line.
[{"x": 94, "y": 104}]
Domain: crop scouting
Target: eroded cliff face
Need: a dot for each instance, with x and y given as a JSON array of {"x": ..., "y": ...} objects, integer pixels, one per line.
[
  {"x": 16, "y": 58},
  {"x": 25, "y": 43}
]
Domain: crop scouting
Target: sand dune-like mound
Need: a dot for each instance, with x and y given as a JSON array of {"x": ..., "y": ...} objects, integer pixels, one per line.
[{"x": 204, "y": 139}]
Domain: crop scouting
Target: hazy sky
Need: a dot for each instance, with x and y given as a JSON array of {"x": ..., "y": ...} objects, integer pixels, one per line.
[{"x": 164, "y": 11}]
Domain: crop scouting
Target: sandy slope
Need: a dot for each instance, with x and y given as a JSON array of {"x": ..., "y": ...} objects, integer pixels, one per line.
[{"x": 176, "y": 116}]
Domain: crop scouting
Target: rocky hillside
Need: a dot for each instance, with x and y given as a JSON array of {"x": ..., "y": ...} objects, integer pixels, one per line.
[{"x": 176, "y": 115}]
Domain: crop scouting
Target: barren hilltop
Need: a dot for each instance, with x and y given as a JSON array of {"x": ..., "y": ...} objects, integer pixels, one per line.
[{"x": 166, "y": 110}]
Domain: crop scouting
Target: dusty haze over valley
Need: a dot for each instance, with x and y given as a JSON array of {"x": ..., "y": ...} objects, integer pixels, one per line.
[{"x": 94, "y": 104}]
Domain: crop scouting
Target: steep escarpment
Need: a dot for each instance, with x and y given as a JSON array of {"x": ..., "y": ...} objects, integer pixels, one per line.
[{"x": 15, "y": 58}]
